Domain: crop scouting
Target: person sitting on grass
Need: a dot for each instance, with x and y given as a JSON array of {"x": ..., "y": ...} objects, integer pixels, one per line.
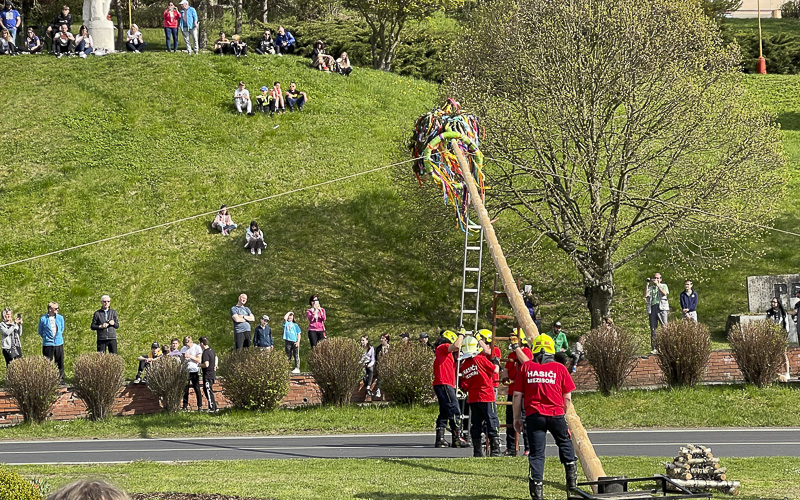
[
  {"x": 63, "y": 19},
  {"x": 238, "y": 46},
  {"x": 223, "y": 221},
  {"x": 255, "y": 238},
  {"x": 284, "y": 42},
  {"x": 277, "y": 96},
  {"x": 63, "y": 42},
  {"x": 222, "y": 45},
  {"x": 295, "y": 98},
  {"x": 343, "y": 66},
  {"x": 83, "y": 42},
  {"x": 7, "y": 47},
  {"x": 241, "y": 100},
  {"x": 134, "y": 40},
  {"x": 266, "y": 46},
  {"x": 321, "y": 60},
  {"x": 145, "y": 360},
  {"x": 33, "y": 43},
  {"x": 264, "y": 101}
]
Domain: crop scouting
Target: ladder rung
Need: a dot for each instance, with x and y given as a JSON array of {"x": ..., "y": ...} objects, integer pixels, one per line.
[
  {"x": 472, "y": 269},
  {"x": 471, "y": 290},
  {"x": 473, "y": 248},
  {"x": 502, "y": 338},
  {"x": 469, "y": 311},
  {"x": 505, "y": 316}
]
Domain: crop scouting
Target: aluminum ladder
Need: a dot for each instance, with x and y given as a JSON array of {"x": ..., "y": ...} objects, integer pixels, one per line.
[{"x": 471, "y": 276}]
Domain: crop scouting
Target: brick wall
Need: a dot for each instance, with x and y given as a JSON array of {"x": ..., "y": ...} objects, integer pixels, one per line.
[{"x": 136, "y": 399}]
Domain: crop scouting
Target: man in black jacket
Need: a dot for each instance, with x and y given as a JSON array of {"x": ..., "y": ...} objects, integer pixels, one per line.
[
  {"x": 63, "y": 19},
  {"x": 105, "y": 322}
]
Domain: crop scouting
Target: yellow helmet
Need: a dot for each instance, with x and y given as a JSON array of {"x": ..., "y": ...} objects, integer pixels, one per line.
[
  {"x": 544, "y": 342},
  {"x": 520, "y": 334},
  {"x": 450, "y": 335},
  {"x": 486, "y": 335}
]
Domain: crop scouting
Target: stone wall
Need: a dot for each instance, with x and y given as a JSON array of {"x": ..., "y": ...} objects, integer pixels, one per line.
[{"x": 136, "y": 399}]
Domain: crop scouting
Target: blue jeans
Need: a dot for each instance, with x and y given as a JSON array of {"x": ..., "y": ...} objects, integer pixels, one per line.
[
  {"x": 83, "y": 48},
  {"x": 449, "y": 410},
  {"x": 171, "y": 32},
  {"x": 299, "y": 102},
  {"x": 537, "y": 426},
  {"x": 13, "y": 33}
]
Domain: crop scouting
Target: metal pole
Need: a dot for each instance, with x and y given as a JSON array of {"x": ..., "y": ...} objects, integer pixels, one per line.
[{"x": 591, "y": 465}]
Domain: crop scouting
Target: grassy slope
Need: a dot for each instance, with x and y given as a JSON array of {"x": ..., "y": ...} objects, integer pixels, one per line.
[{"x": 396, "y": 479}]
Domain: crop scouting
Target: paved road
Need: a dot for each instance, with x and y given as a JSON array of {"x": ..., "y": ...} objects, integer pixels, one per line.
[{"x": 655, "y": 443}]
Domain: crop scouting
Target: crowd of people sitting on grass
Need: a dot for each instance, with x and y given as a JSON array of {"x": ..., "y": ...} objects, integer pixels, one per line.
[
  {"x": 271, "y": 100},
  {"x": 62, "y": 42}
]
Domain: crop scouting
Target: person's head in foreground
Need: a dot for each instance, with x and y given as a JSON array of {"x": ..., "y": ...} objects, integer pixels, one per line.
[{"x": 83, "y": 489}]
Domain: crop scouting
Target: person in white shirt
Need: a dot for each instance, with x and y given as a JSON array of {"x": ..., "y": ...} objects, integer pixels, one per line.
[
  {"x": 134, "y": 40},
  {"x": 192, "y": 353},
  {"x": 83, "y": 42},
  {"x": 255, "y": 238},
  {"x": 241, "y": 100}
]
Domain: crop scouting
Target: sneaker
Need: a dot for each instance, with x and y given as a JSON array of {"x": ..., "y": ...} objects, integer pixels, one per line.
[
  {"x": 280, "y": 55},
  {"x": 369, "y": 392},
  {"x": 574, "y": 369},
  {"x": 185, "y": 408},
  {"x": 83, "y": 55},
  {"x": 296, "y": 370},
  {"x": 259, "y": 251},
  {"x": 137, "y": 380},
  {"x": 253, "y": 251},
  {"x": 378, "y": 393},
  {"x": 136, "y": 52},
  {"x": 225, "y": 232},
  {"x": 59, "y": 55}
]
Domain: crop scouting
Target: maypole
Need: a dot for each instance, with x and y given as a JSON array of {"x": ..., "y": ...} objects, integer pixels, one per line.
[{"x": 457, "y": 169}]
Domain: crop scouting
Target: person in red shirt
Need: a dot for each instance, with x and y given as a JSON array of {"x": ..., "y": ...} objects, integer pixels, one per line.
[
  {"x": 507, "y": 376},
  {"x": 544, "y": 388},
  {"x": 444, "y": 386},
  {"x": 477, "y": 372}
]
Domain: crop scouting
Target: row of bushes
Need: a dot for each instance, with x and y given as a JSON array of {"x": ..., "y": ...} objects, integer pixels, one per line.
[
  {"x": 684, "y": 348},
  {"x": 252, "y": 378}
]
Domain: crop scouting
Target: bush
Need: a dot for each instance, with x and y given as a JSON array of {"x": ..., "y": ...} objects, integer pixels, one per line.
[
  {"x": 683, "y": 351},
  {"x": 337, "y": 367},
  {"x": 32, "y": 382},
  {"x": 611, "y": 350},
  {"x": 255, "y": 379},
  {"x": 96, "y": 379},
  {"x": 406, "y": 373},
  {"x": 15, "y": 487},
  {"x": 759, "y": 348},
  {"x": 791, "y": 9},
  {"x": 167, "y": 377}
]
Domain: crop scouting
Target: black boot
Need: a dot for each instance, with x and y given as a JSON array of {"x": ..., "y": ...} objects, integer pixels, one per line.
[
  {"x": 440, "y": 441},
  {"x": 458, "y": 441},
  {"x": 477, "y": 448},
  {"x": 571, "y": 469},
  {"x": 536, "y": 489},
  {"x": 494, "y": 447}
]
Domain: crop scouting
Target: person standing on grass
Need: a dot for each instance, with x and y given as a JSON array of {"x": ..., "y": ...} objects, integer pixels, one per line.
[
  {"x": 241, "y": 316},
  {"x": 316, "y": 322},
  {"x": 189, "y": 24},
  {"x": 51, "y": 330},
  {"x": 105, "y": 322},
  {"x": 11, "y": 20},
  {"x": 380, "y": 351},
  {"x": 655, "y": 295},
  {"x": 171, "y": 19},
  {"x": 368, "y": 359},
  {"x": 689, "y": 302},
  {"x": 11, "y": 331},
  {"x": 263, "y": 334},
  {"x": 291, "y": 340},
  {"x": 209, "y": 363},
  {"x": 193, "y": 355}
]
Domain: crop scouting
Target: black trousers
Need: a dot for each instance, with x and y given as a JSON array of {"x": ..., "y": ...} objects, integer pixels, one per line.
[
  {"x": 194, "y": 381},
  {"x": 538, "y": 427},
  {"x": 9, "y": 358},
  {"x": 292, "y": 351},
  {"x": 449, "y": 410},
  {"x": 241, "y": 340},
  {"x": 483, "y": 414},
  {"x": 55, "y": 353},
  {"x": 109, "y": 344},
  {"x": 315, "y": 337},
  {"x": 208, "y": 389}
]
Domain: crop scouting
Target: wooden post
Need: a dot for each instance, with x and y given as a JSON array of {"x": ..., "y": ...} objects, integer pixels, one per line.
[{"x": 584, "y": 450}]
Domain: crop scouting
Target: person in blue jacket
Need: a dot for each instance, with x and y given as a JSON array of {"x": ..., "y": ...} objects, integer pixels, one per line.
[
  {"x": 51, "y": 329},
  {"x": 189, "y": 24},
  {"x": 284, "y": 42}
]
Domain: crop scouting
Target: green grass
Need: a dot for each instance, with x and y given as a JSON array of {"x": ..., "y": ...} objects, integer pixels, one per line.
[
  {"x": 487, "y": 478},
  {"x": 712, "y": 406}
]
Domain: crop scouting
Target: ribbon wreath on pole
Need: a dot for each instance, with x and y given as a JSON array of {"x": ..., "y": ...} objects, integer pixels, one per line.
[{"x": 431, "y": 145}]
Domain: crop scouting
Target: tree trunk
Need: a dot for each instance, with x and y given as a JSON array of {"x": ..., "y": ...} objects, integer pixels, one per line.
[
  {"x": 238, "y": 23},
  {"x": 264, "y": 11},
  {"x": 202, "y": 32},
  {"x": 120, "y": 25},
  {"x": 599, "y": 293}
]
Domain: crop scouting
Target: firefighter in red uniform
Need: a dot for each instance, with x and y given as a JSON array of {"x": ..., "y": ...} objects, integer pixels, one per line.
[
  {"x": 444, "y": 386},
  {"x": 543, "y": 387},
  {"x": 507, "y": 376},
  {"x": 477, "y": 371}
]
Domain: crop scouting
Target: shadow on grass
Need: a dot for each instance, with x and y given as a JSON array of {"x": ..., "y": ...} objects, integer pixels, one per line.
[{"x": 789, "y": 120}]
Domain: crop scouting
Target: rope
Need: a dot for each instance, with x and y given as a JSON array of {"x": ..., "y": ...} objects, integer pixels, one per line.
[{"x": 204, "y": 214}]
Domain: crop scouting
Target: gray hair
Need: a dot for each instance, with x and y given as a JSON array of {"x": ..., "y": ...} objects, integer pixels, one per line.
[
  {"x": 104, "y": 297},
  {"x": 96, "y": 489}
]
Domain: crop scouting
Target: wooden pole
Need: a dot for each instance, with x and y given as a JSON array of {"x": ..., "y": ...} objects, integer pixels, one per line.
[{"x": 584, "y": 450}]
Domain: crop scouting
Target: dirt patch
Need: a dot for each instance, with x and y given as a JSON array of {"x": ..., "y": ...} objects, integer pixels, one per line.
[{"x": 188, "y": 496}]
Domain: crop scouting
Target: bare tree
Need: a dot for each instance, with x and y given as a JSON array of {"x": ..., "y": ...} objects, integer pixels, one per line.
[
  {"x": 238, "y": 8},
  {"x": 617, "y": 124}
]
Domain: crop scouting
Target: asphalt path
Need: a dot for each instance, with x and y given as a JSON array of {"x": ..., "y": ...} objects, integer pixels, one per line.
[{"x": 651, "y": 443}]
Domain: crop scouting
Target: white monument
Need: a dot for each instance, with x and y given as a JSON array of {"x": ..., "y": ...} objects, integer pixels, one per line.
[{"x": 95, "y": 17}]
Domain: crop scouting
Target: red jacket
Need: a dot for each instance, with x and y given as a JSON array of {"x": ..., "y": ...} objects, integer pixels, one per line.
[
  {"x": 476, "y": 379},
  {"x": 171, "y": 18},
  {"x": 444, "y": 366}
]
